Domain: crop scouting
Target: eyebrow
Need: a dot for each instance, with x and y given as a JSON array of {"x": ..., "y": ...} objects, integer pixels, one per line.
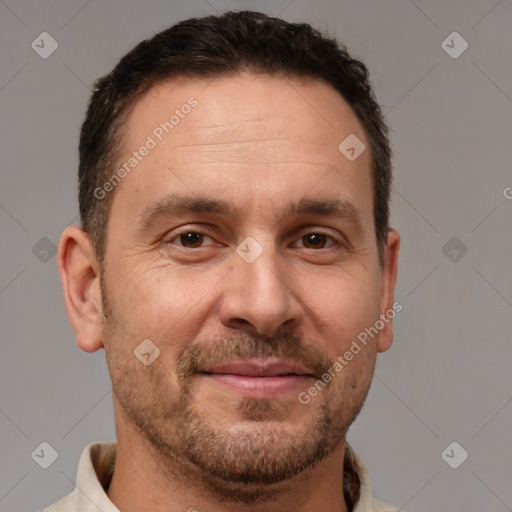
[
  {"x": 175, "y": 204},
  {"x": 326, "y": 208}
]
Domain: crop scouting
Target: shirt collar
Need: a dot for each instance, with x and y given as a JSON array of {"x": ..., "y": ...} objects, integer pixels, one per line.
[
  {"x": 95, "y": 471},
  {"x": 97, "y": 464}
]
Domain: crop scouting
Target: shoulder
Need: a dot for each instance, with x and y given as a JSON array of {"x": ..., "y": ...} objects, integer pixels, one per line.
[
  {"x": 380, "y": 506},
  {"x": 65, "y": 504}
]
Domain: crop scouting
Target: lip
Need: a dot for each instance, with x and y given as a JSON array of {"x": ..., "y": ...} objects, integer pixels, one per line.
[{"x": 259, "y": 378}]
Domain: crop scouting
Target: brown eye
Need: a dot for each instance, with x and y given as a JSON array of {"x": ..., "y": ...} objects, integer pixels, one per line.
[
  {"x": 191, "y": 239},
  {"x": 314, "y": 240}
]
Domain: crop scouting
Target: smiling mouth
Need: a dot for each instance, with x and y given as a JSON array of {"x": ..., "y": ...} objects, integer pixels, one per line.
[{"x": 256, "y": 378}]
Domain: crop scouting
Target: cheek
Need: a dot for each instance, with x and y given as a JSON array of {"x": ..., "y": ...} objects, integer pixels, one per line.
[
  {"x": 165, "y": 303},
  {"x": 346, "y": 301}
]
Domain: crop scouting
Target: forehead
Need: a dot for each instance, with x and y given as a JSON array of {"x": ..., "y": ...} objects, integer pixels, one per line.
[
  {"x": 242, "y": 137},
  {"x": 235, "y": 106}
]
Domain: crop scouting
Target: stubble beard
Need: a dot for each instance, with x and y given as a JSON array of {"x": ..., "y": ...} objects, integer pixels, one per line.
[{"x": 252, "y": 464}]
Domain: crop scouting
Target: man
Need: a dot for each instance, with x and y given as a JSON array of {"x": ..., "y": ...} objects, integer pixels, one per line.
[{"x": 236, "y": 265}]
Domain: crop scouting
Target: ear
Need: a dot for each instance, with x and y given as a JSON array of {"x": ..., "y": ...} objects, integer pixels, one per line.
[
  {"x": 79, "y": 272},
  {"x": 387, "y": 290}
]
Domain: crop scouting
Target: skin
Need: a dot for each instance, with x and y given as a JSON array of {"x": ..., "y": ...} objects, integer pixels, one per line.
[{"x": 256, "y": 143}]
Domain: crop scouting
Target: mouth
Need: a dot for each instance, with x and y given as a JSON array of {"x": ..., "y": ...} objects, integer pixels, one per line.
[{"x": 259, "y": 378}]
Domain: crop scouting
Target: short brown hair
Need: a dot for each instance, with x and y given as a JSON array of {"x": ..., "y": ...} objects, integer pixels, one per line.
[{"x": 221, "y": 45}]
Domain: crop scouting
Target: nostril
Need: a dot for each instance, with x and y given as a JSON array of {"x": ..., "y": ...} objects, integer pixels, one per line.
[{"x": 241, "y": 322}]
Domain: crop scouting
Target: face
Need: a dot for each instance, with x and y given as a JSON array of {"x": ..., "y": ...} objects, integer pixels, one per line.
[{"x": 242, "y": 244}]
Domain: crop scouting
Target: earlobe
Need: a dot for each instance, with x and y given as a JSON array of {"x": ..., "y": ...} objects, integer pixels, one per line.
[
  {"x": 388, "y": 280},
  {"x": 79, "y": 272}
]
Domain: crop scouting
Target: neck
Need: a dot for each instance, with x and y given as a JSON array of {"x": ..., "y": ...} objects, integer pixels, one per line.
[{"x": 140, "y": 485}]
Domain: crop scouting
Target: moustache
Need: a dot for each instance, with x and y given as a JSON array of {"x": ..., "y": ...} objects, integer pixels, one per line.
[{"x": 198, "y": 357}]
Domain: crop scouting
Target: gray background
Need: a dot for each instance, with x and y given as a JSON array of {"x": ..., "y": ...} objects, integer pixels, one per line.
[{"x": 447, "y": 377}]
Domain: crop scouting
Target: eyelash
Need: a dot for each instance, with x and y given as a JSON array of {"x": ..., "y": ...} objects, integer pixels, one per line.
[
  {"x": 178, "y": 235},
  {"x": 172, "y": 241}
]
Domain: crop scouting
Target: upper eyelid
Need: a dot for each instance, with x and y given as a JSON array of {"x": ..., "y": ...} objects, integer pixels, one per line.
[
  {"x": 334, "y": 239},
  {"x": 177, "y": 235}
]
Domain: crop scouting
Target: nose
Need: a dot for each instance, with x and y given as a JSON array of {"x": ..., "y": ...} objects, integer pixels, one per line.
[{"x": 259, "y": 297}]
